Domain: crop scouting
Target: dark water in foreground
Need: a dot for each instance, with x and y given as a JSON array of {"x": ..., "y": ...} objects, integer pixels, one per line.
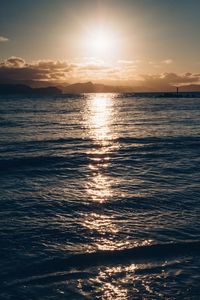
[{"x": 85, "y": 174}]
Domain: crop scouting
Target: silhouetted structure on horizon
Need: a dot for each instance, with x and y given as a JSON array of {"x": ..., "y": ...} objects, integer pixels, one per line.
[{"x": 177, "y": 91}]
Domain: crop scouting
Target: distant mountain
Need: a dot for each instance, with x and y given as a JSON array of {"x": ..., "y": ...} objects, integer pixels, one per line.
[
  {"x": 51, "y": 90},
  {"x": 89, "y": 87},
  {"x": 31, "y": 83},
  {"x": 21, "y": 89}
]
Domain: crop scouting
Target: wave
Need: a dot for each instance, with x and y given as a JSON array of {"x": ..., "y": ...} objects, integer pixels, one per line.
[
  {"x": 40, "y": 162},
  {"x": 87, "y": 260},
  {"x": 125, "y": 140},
  {"x": 75, "y": 153}
]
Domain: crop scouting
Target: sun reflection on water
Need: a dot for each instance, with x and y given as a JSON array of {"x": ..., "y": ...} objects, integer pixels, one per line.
[
  {"x": 99, "y": 188},
  {"x": 112, "y": 283},
  {"x": 101, "y": 224},
  {"x": 99, "y": 116},
  {"x": 115, "y": 288}
]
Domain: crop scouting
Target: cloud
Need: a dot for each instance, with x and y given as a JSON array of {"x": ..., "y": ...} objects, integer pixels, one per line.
[
  {"x": 166, "y": 81},
  {"x": 92, "y": 67},
  {"x": 173, "y": 78},
  {"x": 3, "y": 39},
  {"x": 159, "y": 64},
  {"x": 62, "y": 71},
  {"x": 128, "y": 62},
  {"x": 15, "y": 62},
  {"x": 167, "y": 61},
  {"x": 51, "y": 65},
  {"x": 16, "y": 68}
]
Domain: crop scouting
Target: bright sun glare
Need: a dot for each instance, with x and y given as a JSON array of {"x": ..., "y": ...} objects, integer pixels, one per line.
[{"x": 101, "y": 43}]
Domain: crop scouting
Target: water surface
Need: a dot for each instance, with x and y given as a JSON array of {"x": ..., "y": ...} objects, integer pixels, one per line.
[{"x": 101, "y": 172}]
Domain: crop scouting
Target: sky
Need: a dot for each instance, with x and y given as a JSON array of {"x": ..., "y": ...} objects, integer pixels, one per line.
[{"x": 112, "y": 41}]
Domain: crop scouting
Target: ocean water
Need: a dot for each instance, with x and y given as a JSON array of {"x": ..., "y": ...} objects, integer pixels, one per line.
[{"x": 99, "y": 197}]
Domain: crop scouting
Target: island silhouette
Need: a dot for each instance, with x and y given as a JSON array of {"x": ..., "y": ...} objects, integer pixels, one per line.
[{"x": 89, "y": 87}]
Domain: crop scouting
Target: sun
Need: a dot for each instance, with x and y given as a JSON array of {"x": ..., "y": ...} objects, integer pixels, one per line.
[{"x": 101, "y": 43}]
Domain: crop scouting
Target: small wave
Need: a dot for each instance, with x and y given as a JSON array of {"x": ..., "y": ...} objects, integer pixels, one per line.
[
  {"x": 109, "y": 257},
  {"x": 177, "y": 140},
  {"x": 53, "y": 278},
  {"x": 39, "y": 162}
]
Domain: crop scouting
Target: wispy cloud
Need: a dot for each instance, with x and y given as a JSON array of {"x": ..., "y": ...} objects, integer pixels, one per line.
[
  {"x": 3, "y": 39},
  {"x": 166, "y": 81},
  {"x": 128, "y": 62},
  {"x": 167, "y": 61}
]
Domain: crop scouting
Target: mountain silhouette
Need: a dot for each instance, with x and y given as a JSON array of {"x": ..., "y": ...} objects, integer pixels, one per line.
[{"x": 21, "y": 89}]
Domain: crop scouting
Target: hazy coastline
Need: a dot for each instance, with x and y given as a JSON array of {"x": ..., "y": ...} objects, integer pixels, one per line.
[{"x": 79, "y": 88}]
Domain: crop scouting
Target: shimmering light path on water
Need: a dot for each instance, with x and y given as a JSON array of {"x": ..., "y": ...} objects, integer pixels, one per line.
[{"x": 101, "y": 172}]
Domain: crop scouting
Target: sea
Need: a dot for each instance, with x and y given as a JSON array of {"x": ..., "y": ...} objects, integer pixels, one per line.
[{"x": 99, "y": 197}]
